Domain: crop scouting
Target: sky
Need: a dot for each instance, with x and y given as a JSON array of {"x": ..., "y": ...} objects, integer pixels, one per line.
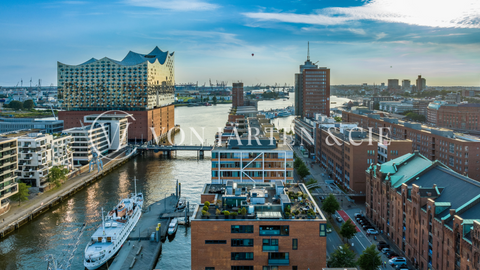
[{"x": 360, "y": 41}]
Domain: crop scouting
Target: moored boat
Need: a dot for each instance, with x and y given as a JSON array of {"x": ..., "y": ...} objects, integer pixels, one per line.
[{"x": 172, "y": 227}]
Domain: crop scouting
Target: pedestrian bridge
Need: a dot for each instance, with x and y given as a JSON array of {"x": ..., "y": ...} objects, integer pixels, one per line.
[{"x": 176, "y": 147}]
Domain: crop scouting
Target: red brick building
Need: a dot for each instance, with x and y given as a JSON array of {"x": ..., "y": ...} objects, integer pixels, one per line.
[
  {"x": 454, "y": 116},
  {"x": 161, "y": 119},
  {"x": 237, "y": 95},
  {"x": 316, "y": 92},
  {"x": 459, "y": 152},
  {"x": 429, "y": 211}
]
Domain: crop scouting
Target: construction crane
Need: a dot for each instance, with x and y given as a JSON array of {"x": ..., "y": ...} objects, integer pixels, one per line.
[{"x": 64, "y": 262}]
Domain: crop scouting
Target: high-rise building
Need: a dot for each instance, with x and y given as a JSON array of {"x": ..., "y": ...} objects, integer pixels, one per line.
[
  {"x": 406, "y": 85},
  {"x": 142, "y": 84},
  {"x": 248, "y": 226},
  {"x": 312, "y": 90},
  {"x": 9, "y": 163},
  {"x": 421, "y": 84},
  {"x": 393, "y": 84},
  {"x": 237, "y": 94}
]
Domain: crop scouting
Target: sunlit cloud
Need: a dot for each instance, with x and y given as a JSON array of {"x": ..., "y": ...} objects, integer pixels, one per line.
[
  {"x": 176, "y": 5},
  {"x": 432, "y": 13}
]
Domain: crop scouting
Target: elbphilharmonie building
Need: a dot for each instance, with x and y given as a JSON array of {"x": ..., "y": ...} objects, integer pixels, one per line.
[{"x": 140, "y": 84}]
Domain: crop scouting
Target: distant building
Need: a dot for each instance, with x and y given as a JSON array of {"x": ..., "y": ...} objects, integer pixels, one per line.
[
  {"x": 88, "y": 140},
  {"x": 393, "y": 84},
  {"x": 237, "y": 95},
  {"x": 142, "y": 84},
  {"x": 427, "y": 210},
  {"x": 455, "y": 116},
  {"x": 421, "y": 84},
  {"x": 268, "y": 236},
  {"x": 406, "y": 85},
  {"x": 46, "y": 126},
  {"x": 312, "y": 90},
  {"x": 8, "y": 166},
  {"x": 420, "y": 106},
  {"x": 453, "y": 98}
]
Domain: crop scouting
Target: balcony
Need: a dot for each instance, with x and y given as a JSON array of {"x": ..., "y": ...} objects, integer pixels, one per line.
[
  {"x": 278, "y": 258},
  {"x": 269, "y": 248},
  {"x": 278, "y": 262}
]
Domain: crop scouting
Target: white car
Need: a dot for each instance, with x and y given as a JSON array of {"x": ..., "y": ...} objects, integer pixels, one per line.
[
  {"x": 398, "y": 261},
  {"x": 385, "y": 250},
  {"x": 372, "y": 231}
]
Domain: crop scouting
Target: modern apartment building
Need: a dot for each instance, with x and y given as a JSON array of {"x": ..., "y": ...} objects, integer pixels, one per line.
[
  {"x": 459, "y": 152},
  {"x": 346, "y": 153},
  {"x": 38, "y": 153},
  {"x": 462, "y": 116},
  {"x": 429, "y": 211},
  {"x": 237, "y": 94},
  {"x": 117, "y": 128},
  {"x": 8, "y": 166},
  {"x": 406, "y": 85},
  {"x": 251, "y": 150},
  {"x": 268, "y": 236},
  {"x": 141, "y": 84},
  {"x": 88, "y": 140},
  {"x": 46, "y": 126},
  {"x": 421, "y": 84},
  {"x": 312, "y": 90}
]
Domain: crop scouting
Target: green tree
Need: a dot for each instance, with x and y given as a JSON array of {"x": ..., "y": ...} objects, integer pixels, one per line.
[
  {"x": 376, "y": 106},
  {"x": 330, "y": 205},
  {"x": 370, "y": 259},
  {"x": 342, "y": 257},
  {"x": 16, "y": 105},
  {"x": 338, "y": 118},
  {"x": 348, "y": 230},
  {"x": 214, "y": 99},
  {"x": 297, "y": 163},
  {"x": 22, "y": 194},
  {"x": 28, "y": 104},
  {"x": 303, "y": 170},
  {"x": 56, "y": 175},
  {"x": 243, "y": 211}
]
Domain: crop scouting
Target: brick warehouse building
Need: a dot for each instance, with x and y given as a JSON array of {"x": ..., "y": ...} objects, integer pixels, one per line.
[
  {"x": 142, "y": 85},
  {"x": 429, "y": 211},
  {"x": 346, "y": 161},
  {"x": 454, "y": 116},
  {"x": 459, "y": 152},
  {"x": 267, "y": 237}
]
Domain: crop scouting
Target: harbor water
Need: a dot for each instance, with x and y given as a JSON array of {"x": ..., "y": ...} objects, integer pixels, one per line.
[{"x": 52, "y": 232}]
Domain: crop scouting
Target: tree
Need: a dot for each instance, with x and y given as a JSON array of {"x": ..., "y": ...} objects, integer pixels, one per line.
[
  {"x": 343, "y": 257},
  {"x": 28, "y": 104},
  {"x": 16, "y": 105},
  {"x": 22, "y": 194},
  {"x": 370, "y": 259},
  {"x": 338, "y": 118},
  {"x": 56, "y": 175},
  {"x": 297, "y": 163},
  {"x": 348, "y": 230},
  {"x": 214, "y": 99},
  {"x": 302, "y": 170},
  {"x": 330, "y": 205}
]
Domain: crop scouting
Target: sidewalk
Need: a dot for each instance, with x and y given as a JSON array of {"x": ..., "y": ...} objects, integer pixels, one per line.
[{"x": 16, "y": 211}]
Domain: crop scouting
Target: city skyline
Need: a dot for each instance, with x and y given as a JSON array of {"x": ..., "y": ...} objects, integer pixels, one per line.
[{"x": 360, "y": 41}]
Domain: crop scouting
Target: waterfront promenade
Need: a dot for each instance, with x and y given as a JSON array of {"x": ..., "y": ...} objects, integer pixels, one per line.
[{"x": 26, "y": 211}]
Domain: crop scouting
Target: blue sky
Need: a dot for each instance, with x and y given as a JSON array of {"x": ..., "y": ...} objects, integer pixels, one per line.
[{"x": 360, "y": 41}]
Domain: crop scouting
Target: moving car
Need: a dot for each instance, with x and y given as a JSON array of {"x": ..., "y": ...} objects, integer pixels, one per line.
[
  {"x": 381, "y": 245},
  {"x": 372, "y": 231},
  {"x": 397, "y": 261},
  {"x": 385, "y": 250}
]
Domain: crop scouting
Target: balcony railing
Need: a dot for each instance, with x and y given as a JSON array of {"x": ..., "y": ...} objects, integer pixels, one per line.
[
  {"x": 269, "y": 248},
  {"x": 278, "y": 261}
]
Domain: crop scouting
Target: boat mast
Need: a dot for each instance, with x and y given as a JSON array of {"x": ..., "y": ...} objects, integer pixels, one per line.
[
  {"x": 103, "y": 222},
  {"x": 135, "y": 181}
]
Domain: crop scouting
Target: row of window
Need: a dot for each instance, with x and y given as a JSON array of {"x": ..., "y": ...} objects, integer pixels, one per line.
[
  {"x": 238, "y": 267},
  {"x": 281, "y": 230}
]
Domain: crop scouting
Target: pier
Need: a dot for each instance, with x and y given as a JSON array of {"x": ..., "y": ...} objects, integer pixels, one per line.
[{"x": 144, "y": 245}]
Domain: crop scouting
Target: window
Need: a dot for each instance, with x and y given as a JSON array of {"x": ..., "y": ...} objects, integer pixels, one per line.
[
  {"x": 322, "y": 230},
  {"x": 294, "y": 268},
  {"x": 240, "y": 256},
  {"x": 207, "y": 242},
  {"x": 270, "y": 268},
  {"x": 209, "y": 268},
  {"x": 242, "y": 228},
  {"x": 294, "y": 244},
  {"x": 242, "y": 242},
  {"x": 274, "y": 230},
  {"x": 237, "y": 267},
  {"x": 270, "y": 245}
]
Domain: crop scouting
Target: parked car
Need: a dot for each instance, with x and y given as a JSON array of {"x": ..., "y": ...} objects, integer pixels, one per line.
[
  {"x": 357, "y": 215},
  {"x": 402, "y": 267},
  {"x": 381, "y": 245},
  {"x": 339, "y": 219},
  {"x": 397, "y": 261},
  {"x": 392, "y": 255},
  {"x": 372, "y": 231},
  {"x": 385, "y": 250},
  {"x": 368, "y": 228}
]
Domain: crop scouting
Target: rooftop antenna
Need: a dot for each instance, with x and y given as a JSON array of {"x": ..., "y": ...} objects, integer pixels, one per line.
[{"x": 308, "y": 51}]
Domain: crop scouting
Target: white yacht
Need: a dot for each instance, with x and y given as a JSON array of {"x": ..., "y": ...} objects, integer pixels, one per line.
[
  {"x": 172, "y": 227},
  {"x": 115, "y": 229}
]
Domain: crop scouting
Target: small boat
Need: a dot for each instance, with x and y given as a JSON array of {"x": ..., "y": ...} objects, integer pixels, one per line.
[
  {"x": 181, "y": 204},
  {"x": 172, "y": 227}
]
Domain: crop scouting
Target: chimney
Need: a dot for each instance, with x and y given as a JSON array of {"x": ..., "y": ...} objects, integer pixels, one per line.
[
  {"x": 434, "y": 185},
  {"x": 452, "y": 212}
]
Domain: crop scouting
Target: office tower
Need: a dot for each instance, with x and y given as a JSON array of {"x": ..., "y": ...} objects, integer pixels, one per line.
[
  {"x": 406, "y": 85},
  {"x": 312, "y": 89},
  {"x": 237, "y": 94},
  {"x": 421, "y": 84},
  {"x": 142, "y": 84},
  {"x": 393, "y": 84}
]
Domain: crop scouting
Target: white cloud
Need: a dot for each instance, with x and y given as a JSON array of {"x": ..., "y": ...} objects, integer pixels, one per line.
[
  {"x": 381, "y": 35},
  {"x": 176, "y": 5},
  {"x": 357, "y": 31},
  {"x": 433, "y": 13}
]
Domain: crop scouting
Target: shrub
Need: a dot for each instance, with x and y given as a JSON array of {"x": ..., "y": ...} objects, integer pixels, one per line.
[
  {"x": 233, "y": 214},
  {"x": 204, "y": 213},
  {"x": 207, "y": 204},
  {"x": 205, "y": 208},
  {"x": 243, "y": 211},
  {"x": 305, "y": 196},
  {"x": 226, "y": 213},
  {"x": 218, "y": 212},
  {"x": 297, "y": 212}
]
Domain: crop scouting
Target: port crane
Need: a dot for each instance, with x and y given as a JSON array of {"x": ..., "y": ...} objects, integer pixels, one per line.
[{"x": 65, "y": 259}]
